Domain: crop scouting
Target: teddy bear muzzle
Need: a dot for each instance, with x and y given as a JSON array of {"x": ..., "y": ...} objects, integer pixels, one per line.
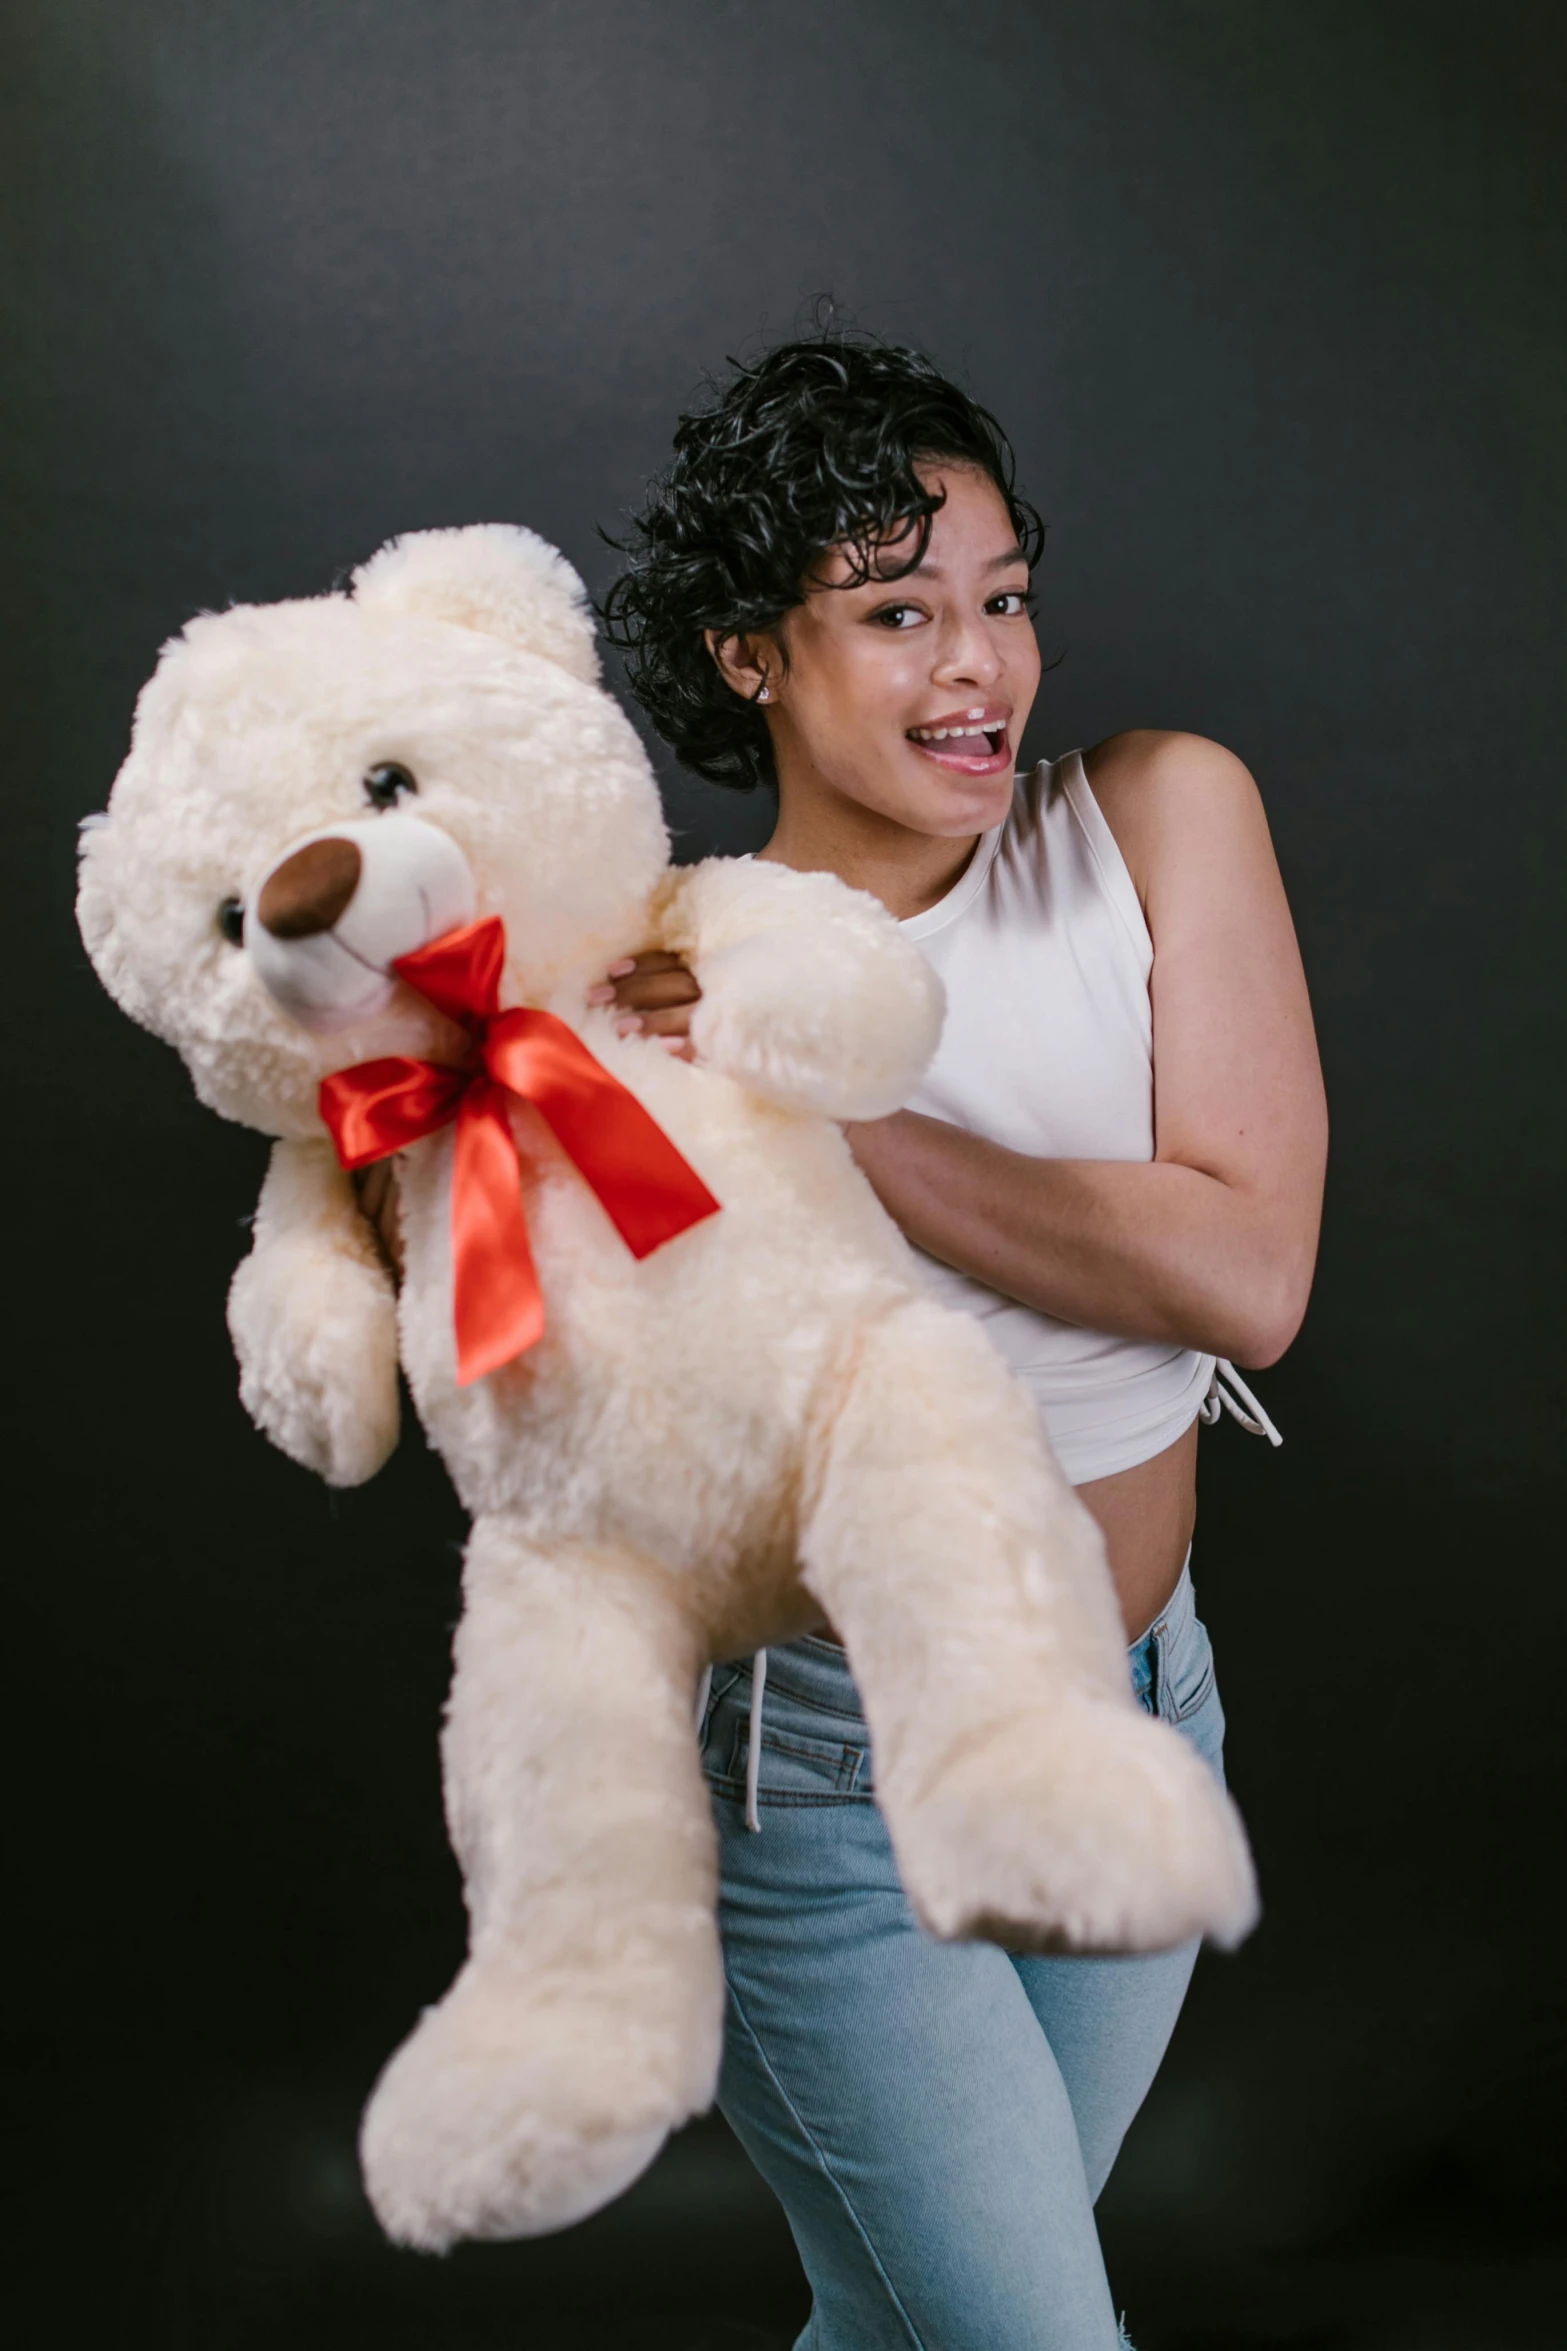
[{"x": 329, "y": 918}]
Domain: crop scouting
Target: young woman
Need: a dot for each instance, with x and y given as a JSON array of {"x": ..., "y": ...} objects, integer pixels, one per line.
[{"x": 1115, "y": 1162}]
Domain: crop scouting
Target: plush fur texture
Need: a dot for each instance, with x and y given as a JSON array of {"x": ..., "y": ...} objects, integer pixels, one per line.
[{"x": 765, "y": 1418}]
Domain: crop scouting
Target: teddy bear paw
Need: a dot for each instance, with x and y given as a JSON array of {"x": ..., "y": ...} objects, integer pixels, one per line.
[
  {"x": 317, "y": 1350},
  {"x": 1087, "y": 1829},
  {"x": 509, "y": 2111}
]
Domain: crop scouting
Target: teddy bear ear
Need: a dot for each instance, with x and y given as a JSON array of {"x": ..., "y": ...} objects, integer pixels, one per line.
[{"x": 493, "y": 576}]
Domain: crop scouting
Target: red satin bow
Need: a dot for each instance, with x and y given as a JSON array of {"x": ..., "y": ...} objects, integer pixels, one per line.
[{"x": 648, "y": 1191}]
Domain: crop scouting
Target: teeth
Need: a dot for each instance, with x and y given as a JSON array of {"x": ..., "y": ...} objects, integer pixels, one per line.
[{"x": 940, "y": 734}]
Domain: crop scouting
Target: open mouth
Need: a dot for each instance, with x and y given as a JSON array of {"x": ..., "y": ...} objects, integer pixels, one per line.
[{"x": 974, "y": 742}]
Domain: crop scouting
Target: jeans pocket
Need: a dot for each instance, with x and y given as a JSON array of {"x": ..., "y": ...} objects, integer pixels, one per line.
[
  {"x": 798, "y": 1766},
  {"x": 712, "y": 1729},
  {"x": 1186, "y": 1673},
  {"x": 1189, "y": 1693},
  {"x": 1191, "y": 1700}
]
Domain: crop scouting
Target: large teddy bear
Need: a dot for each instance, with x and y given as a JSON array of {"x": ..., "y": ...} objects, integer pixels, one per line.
[{"x": 722, "y": 1407}]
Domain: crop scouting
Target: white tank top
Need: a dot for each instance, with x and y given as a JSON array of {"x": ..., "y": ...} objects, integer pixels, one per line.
[{"x": 1048, "y": 1048}]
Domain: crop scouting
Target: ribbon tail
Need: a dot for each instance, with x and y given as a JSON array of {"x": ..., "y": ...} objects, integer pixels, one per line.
[
  {"x": 497, "y": 1305},
  {"x": 648, "y": 1191}
]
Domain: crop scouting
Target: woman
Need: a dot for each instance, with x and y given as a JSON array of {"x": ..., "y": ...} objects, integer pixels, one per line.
[{"x": 1115, "y": 1162}]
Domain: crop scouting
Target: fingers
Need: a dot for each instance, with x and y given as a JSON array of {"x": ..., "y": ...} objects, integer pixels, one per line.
[
  {"x": 673, "y": 1021},
  {"x": 652, "y": 995},
  {"x": 376, "y": 1186},
  {"x": 659, "y": 991},
  {"x": 646, "y": 983}
]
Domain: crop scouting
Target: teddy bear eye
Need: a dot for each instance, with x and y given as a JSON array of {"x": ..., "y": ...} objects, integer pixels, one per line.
[
  {"x": 231, "y": 921},
  {"x": 386, "y": 784}
]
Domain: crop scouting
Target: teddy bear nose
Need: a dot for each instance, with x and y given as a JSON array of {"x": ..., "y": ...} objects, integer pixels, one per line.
[{"x": 308, "y": 891}]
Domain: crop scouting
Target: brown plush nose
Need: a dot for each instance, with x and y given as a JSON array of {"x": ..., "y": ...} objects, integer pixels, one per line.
[{"x": 309, "y": 890}]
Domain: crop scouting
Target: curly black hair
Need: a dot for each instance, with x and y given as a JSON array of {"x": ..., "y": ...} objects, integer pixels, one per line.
[{"x": 813, "y": 446}]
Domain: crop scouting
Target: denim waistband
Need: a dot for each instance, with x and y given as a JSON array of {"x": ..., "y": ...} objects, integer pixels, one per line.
[
  {"x": 1165, "y": 1634},
  {"x": 815, "y": 1672}
]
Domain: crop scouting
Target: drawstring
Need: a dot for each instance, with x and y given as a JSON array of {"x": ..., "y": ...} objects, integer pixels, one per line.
[
  {"x": 753, "y": 1736},
  {"x": 753, "y": 1740},
  {"x": 1219, "y": 1400}
]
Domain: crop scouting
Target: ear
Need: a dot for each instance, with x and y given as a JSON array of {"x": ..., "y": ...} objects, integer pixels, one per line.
[
  {"x": 492, "y": 576},
  {"x": 749, "y": 666}
]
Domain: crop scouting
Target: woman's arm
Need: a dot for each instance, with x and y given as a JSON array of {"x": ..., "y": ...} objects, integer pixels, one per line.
[{"x": 1213, "y": 1243}]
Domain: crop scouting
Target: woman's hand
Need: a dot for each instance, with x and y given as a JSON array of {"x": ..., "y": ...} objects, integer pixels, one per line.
[
  {"x": 376, "y": 1186},
  {"x": 653, "y": 995}
]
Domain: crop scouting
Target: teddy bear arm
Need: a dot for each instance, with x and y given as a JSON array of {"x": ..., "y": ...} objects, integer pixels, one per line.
[
  {"x": 811, "y": 995},
  {"x": 1029, "y": 1798},
  {"x": 313, "y": 1318}
]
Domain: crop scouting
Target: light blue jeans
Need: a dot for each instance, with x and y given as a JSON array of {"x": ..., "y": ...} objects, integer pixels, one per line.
[{"x": 936, "y": 2119}]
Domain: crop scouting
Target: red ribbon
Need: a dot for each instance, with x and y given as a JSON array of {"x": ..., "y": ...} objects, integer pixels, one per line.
[{"x": 648, "y": 1191}]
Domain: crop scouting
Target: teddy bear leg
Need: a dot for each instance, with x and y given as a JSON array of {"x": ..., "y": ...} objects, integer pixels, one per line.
[
  {"x": 1029, "y": 1799},
  {"x": 587, "y": 2022}
]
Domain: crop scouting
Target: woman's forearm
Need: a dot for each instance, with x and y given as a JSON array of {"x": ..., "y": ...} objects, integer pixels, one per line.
[{"x": 1148, "y": 1250}]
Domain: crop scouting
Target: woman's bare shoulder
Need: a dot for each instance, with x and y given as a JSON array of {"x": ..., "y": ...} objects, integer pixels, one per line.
[{"x": 1167, "y": 795}]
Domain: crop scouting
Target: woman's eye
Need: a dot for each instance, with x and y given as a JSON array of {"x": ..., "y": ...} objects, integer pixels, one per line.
[
  {"x": 386, "y": 784},
  {"x": 1009, "y": 604},
  {"x": 231, "y": 921},
  {"x": 898, "y": 616}
]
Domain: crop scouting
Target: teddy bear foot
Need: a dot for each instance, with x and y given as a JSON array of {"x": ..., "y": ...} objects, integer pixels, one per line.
[
  {"x": 509, "y": 2112},
  {"x": 1093, "y": 1829}
]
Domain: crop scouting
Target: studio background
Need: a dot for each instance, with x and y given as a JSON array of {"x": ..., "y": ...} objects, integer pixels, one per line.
[{"x": 1270, "y": 299}]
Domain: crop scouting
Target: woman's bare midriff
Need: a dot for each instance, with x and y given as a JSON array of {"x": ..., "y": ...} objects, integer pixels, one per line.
[{"x": 1146, "y": 1516}]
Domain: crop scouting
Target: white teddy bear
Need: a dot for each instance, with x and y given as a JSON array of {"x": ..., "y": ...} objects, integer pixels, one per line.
[{"x": 714, "y": 1440}]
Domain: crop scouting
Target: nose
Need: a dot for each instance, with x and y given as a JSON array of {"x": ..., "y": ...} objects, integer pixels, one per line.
[
  {"x": 310, "y": 890},
  {"x": 967, "y": 655}
]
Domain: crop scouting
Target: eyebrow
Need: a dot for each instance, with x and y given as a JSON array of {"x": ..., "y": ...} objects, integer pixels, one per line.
[{"x": 933, "y": 571}]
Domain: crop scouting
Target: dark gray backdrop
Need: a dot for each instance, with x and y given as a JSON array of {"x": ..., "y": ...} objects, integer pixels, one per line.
[{"x": 1270, "y": 298}]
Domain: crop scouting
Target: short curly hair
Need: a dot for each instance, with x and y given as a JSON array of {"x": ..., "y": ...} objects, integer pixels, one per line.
[{"x": 812, "y": 446}]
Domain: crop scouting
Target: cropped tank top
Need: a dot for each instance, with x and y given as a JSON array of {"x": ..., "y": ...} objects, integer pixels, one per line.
[{"x": 1048, "y": 1048}]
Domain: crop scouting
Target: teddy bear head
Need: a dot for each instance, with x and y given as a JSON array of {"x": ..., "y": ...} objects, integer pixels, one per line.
[{"x": 317, "y": 788}]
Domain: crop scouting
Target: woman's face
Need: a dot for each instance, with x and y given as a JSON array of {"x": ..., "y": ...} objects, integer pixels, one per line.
[{"x": 909, "y": 696}]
